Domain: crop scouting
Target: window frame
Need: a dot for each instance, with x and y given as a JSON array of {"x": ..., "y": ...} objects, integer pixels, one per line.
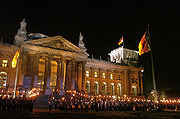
[{"x": 4, "y": 64}]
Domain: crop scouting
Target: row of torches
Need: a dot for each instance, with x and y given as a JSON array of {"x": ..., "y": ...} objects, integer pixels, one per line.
[
  {"x": 120, "y": 98},
  {"x": 34, "y": 92}
]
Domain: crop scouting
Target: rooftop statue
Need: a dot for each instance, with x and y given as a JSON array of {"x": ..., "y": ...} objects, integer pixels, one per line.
[
  {"x": 81, "y": 43},
  {"x": 21, "y": 35}
]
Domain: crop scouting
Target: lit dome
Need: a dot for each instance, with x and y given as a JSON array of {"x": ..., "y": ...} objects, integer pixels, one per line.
[{"x": 33, "y": 36}]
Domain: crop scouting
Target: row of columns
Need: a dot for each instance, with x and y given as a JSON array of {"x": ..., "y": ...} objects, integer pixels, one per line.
[{"x": 73, "y": 72}]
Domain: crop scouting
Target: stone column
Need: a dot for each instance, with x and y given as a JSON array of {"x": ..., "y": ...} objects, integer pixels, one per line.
[
  {"x": 124, "y": 91},
  {"x": 83, "y": 76},
  {"x": 115, "y": 82},
  {"x": 138, "y": 83},
  {"x": 29, "y": 71},
  {"x": 92, "y": 81},
  {"x": 68, "y": 75},
  {"x": 23, "y": 66},
  {"x": 79, "y": 76},
  {"x": 100, "y": 81},
  {"x": 125, "y": 82},
  {"x": 36, "y": 70},
  {"x": 76, "y": 76},
  {"x": 47, "y": 76},
  {"x": 141, "y": 82},
  {"x": 30, "y": 65},
  {"x": 130, "y": 87},
  {"x": 108, "y": 82},
  {"x": 73, "y": 75},
  {"x": 58, "y": 76},
  {"x": 62, "y": 76}
]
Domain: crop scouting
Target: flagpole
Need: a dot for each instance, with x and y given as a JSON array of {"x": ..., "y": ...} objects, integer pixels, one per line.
[
  {"x": 14, "y": 95},
  {"x": 153, "y": 76},
  {"x": 123, "y": 41},
  {"x": 152, "y": 68}
]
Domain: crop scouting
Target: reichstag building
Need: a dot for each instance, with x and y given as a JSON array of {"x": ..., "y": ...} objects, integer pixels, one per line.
[{"x": 51, "y": 64}]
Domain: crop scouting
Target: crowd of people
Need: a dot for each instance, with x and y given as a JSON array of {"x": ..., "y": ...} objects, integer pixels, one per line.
[
  {"x": 16, "y": 104},
  {"x": 81, "y": 103}
]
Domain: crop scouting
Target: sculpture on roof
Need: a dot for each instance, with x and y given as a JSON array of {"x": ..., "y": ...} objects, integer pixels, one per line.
[
  {"x": 81, "y": 44},
  {"x": 21, "y": 35}
]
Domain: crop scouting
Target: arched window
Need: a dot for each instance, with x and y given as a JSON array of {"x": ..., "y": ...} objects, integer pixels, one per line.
[
  {"x": 119, "y": 89},
  {"x": 103, "y": 75},
  {"x": 87, "y": 87},
  {"x": 134, "y": 90},
  {"x": 111, "y": 76},
  {"x": 95, "y": 74},
  {"x": 112, "y": 89},
  {"x": 4, "y": 63},
  {"x": 134, "y": 86},
  {"x": 87, "y": 73},
  {"x": 3, "y": 79},
  {"x": 104, "y": 88},
  {"x": 96, "y": 88}
]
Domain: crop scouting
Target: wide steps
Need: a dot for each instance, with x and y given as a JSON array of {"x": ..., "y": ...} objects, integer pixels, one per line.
[{"x": 41, "y": 101}]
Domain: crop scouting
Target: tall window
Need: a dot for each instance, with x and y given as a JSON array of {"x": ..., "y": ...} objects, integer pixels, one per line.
[
  {"x": 87, "y": 73},
  {"x": 96, "y": 88},
  {"x": 87, "y": 87},
  {"x": 119, "y": 90},
  {"x": 118, "y": 77},
  {"x": 134, "y": 90},
  {"x": 111, "y": 76},
  {"x": 4, "y": 63},
  {"x": 104, "y": 88},
  {"x": 40, "y": 82},
  {"x": 95, "y": 74},
  {"x": 112, "y": 89},
  {"x": 53, "y": 75},
  {"x": 3, "y": 78},
  {"x": 103, "y": 75}
]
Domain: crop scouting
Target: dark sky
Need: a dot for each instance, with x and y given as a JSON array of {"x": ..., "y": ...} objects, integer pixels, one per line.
[{"x": 102, "y": 24}]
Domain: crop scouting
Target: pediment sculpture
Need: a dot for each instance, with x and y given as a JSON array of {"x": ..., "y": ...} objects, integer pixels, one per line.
[{"x": 57, "y": 44}]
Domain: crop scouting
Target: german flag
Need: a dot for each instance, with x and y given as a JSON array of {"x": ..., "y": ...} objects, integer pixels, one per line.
[
  {"x": 144, "y": 44},
  {"x": 14, "y": 61},
  {"x": 121, "y": 40}
]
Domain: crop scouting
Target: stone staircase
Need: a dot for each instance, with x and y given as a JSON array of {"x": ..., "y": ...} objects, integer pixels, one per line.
[{"x": 41, "y": 101}]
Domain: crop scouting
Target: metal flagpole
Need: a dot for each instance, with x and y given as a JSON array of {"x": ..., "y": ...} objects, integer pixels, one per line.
[
  {"x": 152, "y": 67},
  {"x": 153, "y": 76},
  {"x": 14, "y": 95},
  {"x": 123, "y": 41}
]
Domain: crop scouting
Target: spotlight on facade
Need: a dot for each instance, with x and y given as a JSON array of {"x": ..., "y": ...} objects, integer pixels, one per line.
[{"x": 142, "y": 71}]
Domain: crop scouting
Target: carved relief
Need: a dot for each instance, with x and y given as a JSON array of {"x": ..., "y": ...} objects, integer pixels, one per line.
[{"x": 57, "y": 44}]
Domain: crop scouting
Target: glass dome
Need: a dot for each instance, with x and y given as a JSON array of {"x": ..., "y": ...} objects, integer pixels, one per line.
[{"x": 33, "y": 36}]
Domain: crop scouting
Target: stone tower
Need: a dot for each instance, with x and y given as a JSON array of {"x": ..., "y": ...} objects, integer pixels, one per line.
[
  {"x": 21, "y": 35},
  {"x": 81, "y": 43}
]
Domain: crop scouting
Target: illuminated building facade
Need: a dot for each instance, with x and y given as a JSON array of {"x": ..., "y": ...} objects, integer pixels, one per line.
[{"x": 55, "y": 64}]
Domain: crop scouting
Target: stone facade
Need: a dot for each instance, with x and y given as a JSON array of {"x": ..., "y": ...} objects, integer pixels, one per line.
[{"x": 55, "y": 64}]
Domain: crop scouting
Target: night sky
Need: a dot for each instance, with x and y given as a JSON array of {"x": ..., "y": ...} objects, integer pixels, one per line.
[{"x": 102, "y": 24}]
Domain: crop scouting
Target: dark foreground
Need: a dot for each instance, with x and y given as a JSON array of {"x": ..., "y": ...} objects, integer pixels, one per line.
[{"x": 45, "y": 114}]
